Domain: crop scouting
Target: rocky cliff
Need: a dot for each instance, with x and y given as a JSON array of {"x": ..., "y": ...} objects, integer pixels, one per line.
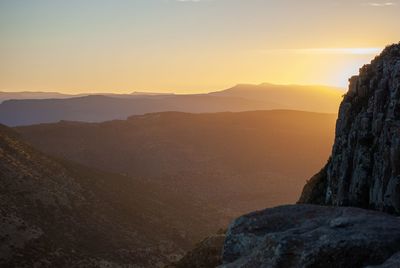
[
  {"x": 364, "y": 168},
  {"x": 363, "y": 171}
]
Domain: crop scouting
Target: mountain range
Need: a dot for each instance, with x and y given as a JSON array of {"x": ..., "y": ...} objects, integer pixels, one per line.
[
  {"x": 97, "y": 108},
  {"x": 143, "y": 190}
]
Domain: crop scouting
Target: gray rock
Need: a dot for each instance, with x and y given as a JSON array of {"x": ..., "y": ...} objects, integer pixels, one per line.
[
  {"x": 364, "y": 168},
  {"x": 392, "y": 262},
  {"x": 311, "y": 236}
]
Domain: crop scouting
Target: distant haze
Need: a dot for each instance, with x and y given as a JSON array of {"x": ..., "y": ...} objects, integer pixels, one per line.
[
  {"x": 97, "y": 108},
  {"x": 188, "y": 46},
  {"x": 238, "y": 162}
]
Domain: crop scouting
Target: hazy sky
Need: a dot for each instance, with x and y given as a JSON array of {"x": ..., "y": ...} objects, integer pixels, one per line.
[{"x": 188, "y": 45}]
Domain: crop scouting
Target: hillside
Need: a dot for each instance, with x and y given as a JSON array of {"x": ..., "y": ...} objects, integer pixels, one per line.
[
  {"x": 237, "y": 161},
  {"x": 59, "y": 214},
  {"x": 99, "y": 108}
]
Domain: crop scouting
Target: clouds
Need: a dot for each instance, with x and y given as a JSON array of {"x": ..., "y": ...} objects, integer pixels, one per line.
[
  {"x": 326, "y": 51},
  {"x": 384, "y": 4}
]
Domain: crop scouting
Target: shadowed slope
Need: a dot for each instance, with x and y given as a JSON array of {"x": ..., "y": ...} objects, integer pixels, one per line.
[{"x": 60, "y": 214}]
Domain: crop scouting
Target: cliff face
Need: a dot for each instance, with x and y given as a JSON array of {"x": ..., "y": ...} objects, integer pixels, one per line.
[{"x": 364, "y": 168}]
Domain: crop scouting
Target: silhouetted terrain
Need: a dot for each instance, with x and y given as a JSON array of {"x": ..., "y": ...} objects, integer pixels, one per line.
[
  {"x": 237, "y": 161},
  {"x": 32, "y": 95},
  {"x": 294, "y": 97},
  {"x": 98, "y": 108},
  {"x": 59, "y": 214}
]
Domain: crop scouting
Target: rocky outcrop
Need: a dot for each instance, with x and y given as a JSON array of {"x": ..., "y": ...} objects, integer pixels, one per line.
[
  {"x": 312, "y": 236},
  {"x": 392, "y": 262},
  {"x": 364, "y": 169}
]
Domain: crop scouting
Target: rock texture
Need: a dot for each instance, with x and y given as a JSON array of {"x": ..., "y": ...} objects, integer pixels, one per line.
[
  {"x": 364, "y": 169},
  {"x": 392, "y": 262},
  {"x": 311, "y": 236}
]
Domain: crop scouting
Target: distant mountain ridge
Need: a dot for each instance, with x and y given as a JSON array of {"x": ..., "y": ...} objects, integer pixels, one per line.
[
  {"x": 4, "y": 96},
  {"x": 295, "y": 97},
  {"x": 98, "y": 108},
  {"x": 237, "y": 161}
]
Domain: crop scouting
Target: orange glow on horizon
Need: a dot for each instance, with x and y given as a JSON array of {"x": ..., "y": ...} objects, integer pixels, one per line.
[{"x": 187, "y": 46}]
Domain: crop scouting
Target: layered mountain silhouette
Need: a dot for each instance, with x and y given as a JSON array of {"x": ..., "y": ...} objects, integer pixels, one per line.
[
  {"x": 294, "y": 97},
  {"x": 236, "y": 161},
  {"x": 32, "y": 95},
  {"x": 98, "y": 108},
  {"x": 55, "y": 213},
  {"x": 38, "y": 95}
]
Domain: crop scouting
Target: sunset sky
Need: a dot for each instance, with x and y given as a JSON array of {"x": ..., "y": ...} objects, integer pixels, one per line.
[{"x": 188, "y": 46}]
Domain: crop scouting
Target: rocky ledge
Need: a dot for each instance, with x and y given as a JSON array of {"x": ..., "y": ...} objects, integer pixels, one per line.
[{"x": 313, "y": 236}]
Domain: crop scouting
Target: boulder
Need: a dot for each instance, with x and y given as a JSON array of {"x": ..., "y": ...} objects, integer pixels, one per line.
[
  {"x": 311, "y": 236},
  {"x": 392, "y": 262}
]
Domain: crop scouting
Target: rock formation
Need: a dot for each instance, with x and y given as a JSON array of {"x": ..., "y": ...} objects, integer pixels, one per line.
[
  {"x": 311, "y": 236},
  {"x": 364, "y": 169}
]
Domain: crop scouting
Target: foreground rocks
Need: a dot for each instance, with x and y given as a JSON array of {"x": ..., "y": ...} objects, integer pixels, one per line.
[
  {"x": 364, "y": 169},
  {"x": 312, "y": 236}
]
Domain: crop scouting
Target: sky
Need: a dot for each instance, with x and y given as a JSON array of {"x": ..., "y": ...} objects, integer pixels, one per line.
[{"x": 188, "y": 46}]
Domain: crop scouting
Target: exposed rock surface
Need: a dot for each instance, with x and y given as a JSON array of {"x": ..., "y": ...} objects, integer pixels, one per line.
[
  {"x": 364, "y": 169},
  {"x": 392, "y": 262},
  {"x": 311, "y": 236}
]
